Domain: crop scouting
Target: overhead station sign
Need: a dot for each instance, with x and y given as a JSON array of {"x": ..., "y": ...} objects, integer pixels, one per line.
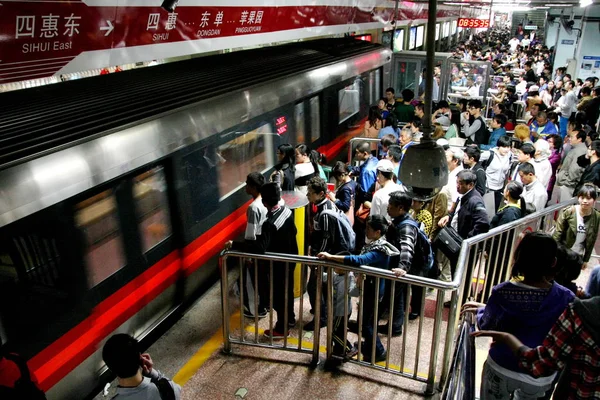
[{"x": 42, "y": 38}]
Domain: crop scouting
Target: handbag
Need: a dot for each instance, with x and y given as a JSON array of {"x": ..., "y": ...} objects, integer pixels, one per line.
[
  {"x": 449, "y": 242},
  {"x": 362, "y": 214}
]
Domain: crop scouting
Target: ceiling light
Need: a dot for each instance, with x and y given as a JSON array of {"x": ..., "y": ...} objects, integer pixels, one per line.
[
  {"x": 558, "y": 5},
  {"x": 585, "y": 3}
]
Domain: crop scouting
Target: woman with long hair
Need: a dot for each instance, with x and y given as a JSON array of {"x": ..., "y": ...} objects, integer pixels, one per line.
[
  {"x": 556, "y": 143},
  {"x": 454, "y": 128},
  {"x": 374, "y": 123},
  {"x": 345, "y": 191},
  {"x": 526, "y": 306},
  {"x": 285, "y": 168},
  {"x": 514, "y": 207},
  {"x": 307, "y": 166},
  {"x": 547, "y": 95}
]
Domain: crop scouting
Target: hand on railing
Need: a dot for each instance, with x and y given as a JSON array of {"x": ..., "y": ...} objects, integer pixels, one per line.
[
  {"x": 228, "y": 244},
  {"x": 398, "y": 272},
  {"x": 470, "y": 306}
]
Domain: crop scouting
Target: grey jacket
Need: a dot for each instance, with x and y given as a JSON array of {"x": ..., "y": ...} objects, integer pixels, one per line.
[
  {"x": 570, "y": 172},
  {"x": 146, "y": 390}
]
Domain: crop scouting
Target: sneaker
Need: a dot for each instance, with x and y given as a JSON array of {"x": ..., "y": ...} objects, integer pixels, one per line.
[
  {"x": 311, "y": 325},
  {"x": 412, "y": 316},
  {"x": 378, "y": 357},
  {"x": 274, "y": 334},
  {"x": 383, "y": 329},
  {"x": 351, "y": 353},
  {"x": 261, "y": 313}
]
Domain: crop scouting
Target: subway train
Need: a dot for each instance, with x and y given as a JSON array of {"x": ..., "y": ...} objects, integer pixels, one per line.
[{"x": 117, "y": 192}]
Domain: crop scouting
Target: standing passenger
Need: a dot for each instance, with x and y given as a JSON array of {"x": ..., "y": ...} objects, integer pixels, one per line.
[
  {"x": 256, "y": 214},
  {"x": 306, "y": 167},
  {"x": 367, "y": 172},
  {"x": 385, "y": 174},
  {"x": 278, "y": 235},
  {"x": 376, "y": 253},
  {"x": 284, "y": 174}
]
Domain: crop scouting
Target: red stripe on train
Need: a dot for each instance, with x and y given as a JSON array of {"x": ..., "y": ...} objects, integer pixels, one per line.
[{"x": 62, "y": 356}]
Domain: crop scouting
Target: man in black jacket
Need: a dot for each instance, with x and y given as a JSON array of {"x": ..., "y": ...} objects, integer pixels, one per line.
[
  {"x": 592, "y": 108},
  {"x": 469, "y": 217},
  {"x": 278, "y": 235},
  {"x": 591, "y": 162},
  {"x": 471, "y": 160}
]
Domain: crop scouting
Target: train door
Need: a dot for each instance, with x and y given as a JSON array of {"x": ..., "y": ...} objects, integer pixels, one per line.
[{"x": 467, "y": 80}]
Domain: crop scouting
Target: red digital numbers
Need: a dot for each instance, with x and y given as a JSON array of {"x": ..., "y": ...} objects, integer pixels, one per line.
[
  {"x": 281, "y": 125},
  {"x": 473, "y": 23}
]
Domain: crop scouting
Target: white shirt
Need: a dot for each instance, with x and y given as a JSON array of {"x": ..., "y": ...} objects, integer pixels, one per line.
[
  {"x": 256, "y": 215},
  {"x": 513, "y": 43},
  {"x": 497, "y": 170},
  {"x": 543, "y": 171},
  {"x": 303, "y": 169},
  {"x": 579, "y": 245},
  {"x": 381, "y": 199},
  {"x": 454, "y": 222},
  {"x": 450, "y": 187},
  {"x": 473, "y": 91},
  {"x": 535, "y": 193}
]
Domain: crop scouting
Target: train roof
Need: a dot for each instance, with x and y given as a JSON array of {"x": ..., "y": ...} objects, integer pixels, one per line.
[{"x": 44, "y": 119}]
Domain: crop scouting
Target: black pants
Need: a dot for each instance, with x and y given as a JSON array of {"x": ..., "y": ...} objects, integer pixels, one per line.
[
  {"x": 279, "y": 293},
  {"x": 263, "y": 285},
  {"x": 311, "y": 288},
  {"x": 416, "y": 299},
  {"x": 397, "y": 318},
  {"x": 368, "y": 314},
  {"x": 340, "y": 344}
]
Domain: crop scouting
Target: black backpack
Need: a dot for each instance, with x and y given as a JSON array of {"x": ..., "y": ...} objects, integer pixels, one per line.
[
  {"x": 164, "y": 388},
  {"x": 24, "y": 387}
]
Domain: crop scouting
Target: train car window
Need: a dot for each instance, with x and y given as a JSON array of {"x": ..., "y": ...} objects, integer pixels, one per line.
[
  {"x": 412, "y": 37},
  {"x": 315, "y": 119},
  {"x": 437, "y": 31},
  {"x": 299, "y": 117},
  {"x": 152, "y": 207},
  {"x": 453, "y": 27},
  {"x": 420, "y": 35},
  {"x": 399, "y": 40},
  {"x": 349, "y": 100},
  {"x": 97, "y": 220},
  {"x": 248, "y": 152},
  {"x": 406, "y": 75},
  {"x": 446, "y": 29}
]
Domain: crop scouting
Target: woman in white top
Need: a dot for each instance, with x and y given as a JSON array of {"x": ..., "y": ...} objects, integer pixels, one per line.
[
  {"x": 543, "y": 168},
  {"x": 306, "y": 168},
  {"x": 577, "y": 226}
]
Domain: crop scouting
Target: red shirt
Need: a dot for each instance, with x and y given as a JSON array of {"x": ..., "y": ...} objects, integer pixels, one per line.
[{"x": 568, "y": 341}]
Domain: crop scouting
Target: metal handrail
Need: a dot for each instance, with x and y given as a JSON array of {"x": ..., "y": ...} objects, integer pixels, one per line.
[
  {"x": 363, "y": 269},
  {"x": 461, "y": 382},
  {"x": 471, "y": 254}
]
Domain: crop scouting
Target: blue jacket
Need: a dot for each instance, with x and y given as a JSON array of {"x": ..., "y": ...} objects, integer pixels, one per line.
[
  {"x": 549, "y": 128},
  {"x": 367, "y": 174},
  {"x": 495, "y": 135}
]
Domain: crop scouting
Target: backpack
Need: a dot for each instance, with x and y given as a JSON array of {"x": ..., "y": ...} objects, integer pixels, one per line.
[
  {"x": 346, "y": 233},
  {"x": 423, "y": 259},
  {"x": 487, "y": 162},
  {"x": 164, "y": 388},
  {"x": 24, "y": 387}
]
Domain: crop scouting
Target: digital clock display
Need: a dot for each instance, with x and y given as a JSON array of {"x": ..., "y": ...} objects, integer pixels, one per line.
[
  {"x": 281, "y": 125},
  {"x": 473, "y": 23}
]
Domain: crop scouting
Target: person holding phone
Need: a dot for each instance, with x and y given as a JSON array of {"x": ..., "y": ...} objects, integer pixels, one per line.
[{"x": 138, "y": 380}]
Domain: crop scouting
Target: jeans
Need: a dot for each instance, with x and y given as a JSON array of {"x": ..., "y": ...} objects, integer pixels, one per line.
[
  {"x": 368, "y": 314},
  {"x": 497, "y": 386},
  {"x": 563, "y": 125},
  {"x": 593, "y": 286}
]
